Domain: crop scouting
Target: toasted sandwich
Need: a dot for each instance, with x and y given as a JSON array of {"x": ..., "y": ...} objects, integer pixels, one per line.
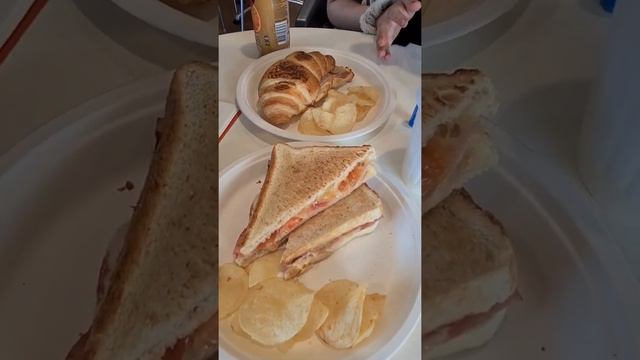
[
  {"x": 157, "y": 299},
  {"x": 469, "y": 276},
  {"x": 455, "y": 144},
  {"x": 300, "y": 183},
  {"x": 356, "y": 215}
]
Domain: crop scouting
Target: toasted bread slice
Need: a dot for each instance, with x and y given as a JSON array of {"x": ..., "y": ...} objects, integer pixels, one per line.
[
  {"x": 163, "y": 285},
  {"x": 468, "y": 267},
  {"x": 355, "y": 215},
  {"x": 300, "y": 183},
  {"x": 455, "y": 154},
  {"x": 446, "y": 97},
  {"x": 455, "y": 144}
]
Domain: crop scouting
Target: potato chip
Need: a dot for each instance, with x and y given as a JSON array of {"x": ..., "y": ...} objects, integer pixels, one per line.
[
  {"x": 361, "y": 99},
  {"x": 345, "y": 300},
  {"x": 372, "y": 93},
  {"x": 340, "y": 98},
  {"x": 373, "y": 305},
  {"x": 362, "y": 111},
  {"x": 333, "y": 116},
  {"x": 275, "y": 310},
  {"x": 334, "y": 100},
  {"x": 369, "y": 92},
  {"x": 235, "y": 326},
  {"x": 233, "y": 284},
  {"x": 317, "y": 316},
  {"x": 265, "y": 267},
  {"x": 323, "y": 119},
  {"x": 308, "y": 126},
  {"x": 329, "y": 104},
  {"x": 344, "y": 119}
]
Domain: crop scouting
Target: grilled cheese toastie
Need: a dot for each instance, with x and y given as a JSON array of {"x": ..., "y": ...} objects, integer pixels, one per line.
[
  {"x": 300, "y": 183},
  {"x": 469, "y": 276},
  {"x": 157, "y": 299},
  {"x": 455, "y": 145},
  {"x": 355, "y": 215}
]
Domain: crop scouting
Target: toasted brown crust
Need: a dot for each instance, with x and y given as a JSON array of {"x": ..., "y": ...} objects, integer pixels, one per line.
[
  {"x": 446, "y": 91},
  {"x": 258, "y": 204},
  {"x": 142, "y": 216},
  {"x": 171, "y": 130},
  {"x": 455, "y": 146}
]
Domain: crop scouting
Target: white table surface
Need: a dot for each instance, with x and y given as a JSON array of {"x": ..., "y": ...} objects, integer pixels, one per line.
[{"x": 237, "y": 50}]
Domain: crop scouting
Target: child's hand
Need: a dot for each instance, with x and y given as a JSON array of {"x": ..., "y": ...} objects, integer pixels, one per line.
[{"x": 393, "y": 19}]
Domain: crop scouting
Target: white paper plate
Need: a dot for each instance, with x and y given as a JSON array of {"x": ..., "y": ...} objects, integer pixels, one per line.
[
  {"x": 580, "y": 301},
  {"x": 366, "y": 73},
  {"x": 60, "y": 208},
  {"x": 388, "y": 260},
  {"x": 164, "y": 17},
  {"x": 476, "y": 14}
]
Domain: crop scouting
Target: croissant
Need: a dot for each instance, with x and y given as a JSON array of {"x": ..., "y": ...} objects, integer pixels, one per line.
[{"x": 292, "y": 84}]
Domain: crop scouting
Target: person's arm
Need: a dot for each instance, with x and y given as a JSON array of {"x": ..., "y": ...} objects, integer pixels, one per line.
[{"x": 345, "y": 14}]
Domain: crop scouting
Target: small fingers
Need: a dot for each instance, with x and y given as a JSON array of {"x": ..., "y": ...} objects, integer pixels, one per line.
[
  {"x": 382, "y": 44},
  {"x": 413, "y": 6}
]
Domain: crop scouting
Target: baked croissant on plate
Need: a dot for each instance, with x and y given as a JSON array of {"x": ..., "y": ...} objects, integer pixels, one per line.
[{"x": 292, "y": 84}]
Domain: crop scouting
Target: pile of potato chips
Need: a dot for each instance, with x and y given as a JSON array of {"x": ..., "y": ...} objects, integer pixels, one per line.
[
  {"x": 339, "y": 112},
  {"x": 274, "y": 312}
]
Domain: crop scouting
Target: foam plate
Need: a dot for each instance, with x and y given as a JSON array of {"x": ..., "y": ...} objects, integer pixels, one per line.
[{"x": 366, "y": 73}]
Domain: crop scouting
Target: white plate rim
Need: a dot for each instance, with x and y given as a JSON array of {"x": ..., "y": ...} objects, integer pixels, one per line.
[
  {"x": 458, "y": 26},
  {"x": 245, "y": 107},
  {"x": 539, "y": 180},
  {"x": 415, "y": 314},
  {"x": 173, "y": 21}
]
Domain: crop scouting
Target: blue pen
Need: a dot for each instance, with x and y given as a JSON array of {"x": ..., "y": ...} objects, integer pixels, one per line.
[{"x": 413, "y": 116}]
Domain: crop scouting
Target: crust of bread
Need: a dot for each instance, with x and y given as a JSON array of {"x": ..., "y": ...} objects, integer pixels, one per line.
[
  {"x": 295, "y": 178},
  {"x": 448, "y": 161},
  {"x": 446, "y": 97},
  {"x": 455, "y": 144},
  {"x": 172, "y": 237},
  {"x": 468, "y": 262}
]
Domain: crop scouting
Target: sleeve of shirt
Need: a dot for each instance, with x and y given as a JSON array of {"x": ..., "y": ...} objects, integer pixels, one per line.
[{"x": 369, "y": 18}]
